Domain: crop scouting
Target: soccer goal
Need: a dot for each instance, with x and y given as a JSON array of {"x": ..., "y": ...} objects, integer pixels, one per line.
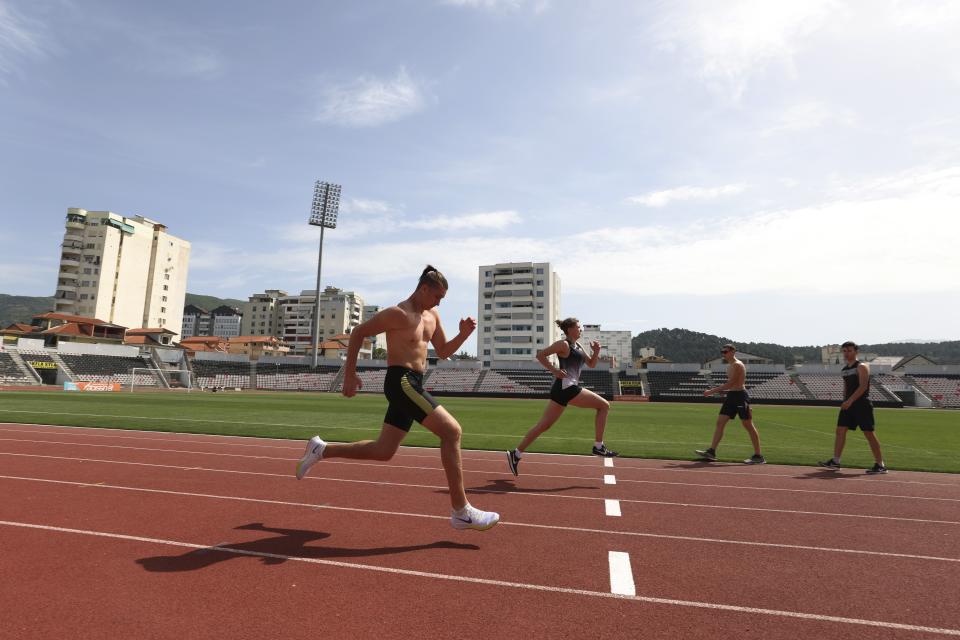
[{"x": 147, "y": 378}]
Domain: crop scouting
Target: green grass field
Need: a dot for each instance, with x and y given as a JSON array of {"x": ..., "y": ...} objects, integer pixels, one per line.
[{"x": 926, "y": 440}]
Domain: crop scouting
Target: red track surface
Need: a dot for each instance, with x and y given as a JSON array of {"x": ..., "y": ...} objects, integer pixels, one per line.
[{"x": 108, "y": 534}]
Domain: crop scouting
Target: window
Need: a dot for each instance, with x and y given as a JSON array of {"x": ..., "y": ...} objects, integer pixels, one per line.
[
  {"x": 539, "y": 294},
  {"x": 85, "y": 283},
  {"x": 487, "y": 307},
  {"x": 539, "y": 271},
  {"x": 90, "y": 245},
  {"x": 166, "y": 276},
  {"x": 486, "y": 329},
  {"x": 539, "y": 283},
  {"x": 83, "y": 296},
  {"x": 87, "y": 270},
  {"x": 166, "y": 288},
  {"x": 540, "y": 328},
  {"x": 96, "y": 272},
  {"x": 487, "y": 285},
  {"x": 539, "y": 316},
  {"x": 487, "y": 273},
  {"x": 486, "y": 352},
  {"x": 163, "y": 309}
]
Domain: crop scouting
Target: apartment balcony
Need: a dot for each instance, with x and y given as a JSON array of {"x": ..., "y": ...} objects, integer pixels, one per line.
[
  {"x": 69, "y": 262},
  {"x": 72, "y": 224},
  {"x": 68, "y": 275},
  {"x": 63, "y": 294}
]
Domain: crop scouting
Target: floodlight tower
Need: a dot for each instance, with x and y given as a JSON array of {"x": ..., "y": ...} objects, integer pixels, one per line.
[{"x": 323, "y": 214}]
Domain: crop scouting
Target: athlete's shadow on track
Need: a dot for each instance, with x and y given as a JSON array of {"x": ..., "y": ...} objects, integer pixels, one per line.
[
  {"x": 501, "y": 485},
  {"x": 827, "y": 474},
  {"x": 278, "y": 549}
]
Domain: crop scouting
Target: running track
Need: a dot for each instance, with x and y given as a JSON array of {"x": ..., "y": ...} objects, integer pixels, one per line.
[{"x": 135, "y": 534}]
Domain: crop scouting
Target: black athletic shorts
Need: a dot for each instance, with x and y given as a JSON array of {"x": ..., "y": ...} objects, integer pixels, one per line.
[
  {"x": 408, "y": 401},
  {"x": 737, "y": 403},
  {"x": 562, "y": 396},
  {"x": 858, "y": 415}
]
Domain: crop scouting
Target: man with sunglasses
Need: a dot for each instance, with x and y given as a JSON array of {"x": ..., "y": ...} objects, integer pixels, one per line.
[{"x": 737, "y": 403}]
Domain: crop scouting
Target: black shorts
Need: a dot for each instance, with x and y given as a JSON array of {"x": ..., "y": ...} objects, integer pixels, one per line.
[
  {"x": 737, "y": 403},
  {"x": 859, "y": 415},
  {"x": 408, "y": 401},
  {"x": 562, "y": 396}
]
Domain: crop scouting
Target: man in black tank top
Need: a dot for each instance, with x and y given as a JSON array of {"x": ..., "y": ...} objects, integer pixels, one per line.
[{"x": 856, "y": 410}]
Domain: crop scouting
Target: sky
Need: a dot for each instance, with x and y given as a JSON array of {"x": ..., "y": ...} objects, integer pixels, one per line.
[{"x": 766, "y": 171}]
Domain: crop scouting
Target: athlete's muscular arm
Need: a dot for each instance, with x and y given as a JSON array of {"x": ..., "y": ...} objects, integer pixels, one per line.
[
  {"x": 738, "y": 372},
  {"x": 387, "y": 320},
  {"x": 562, "y": 349},
  {"x": 444, "y": 348},
  {"x": 863, "y": 375}
]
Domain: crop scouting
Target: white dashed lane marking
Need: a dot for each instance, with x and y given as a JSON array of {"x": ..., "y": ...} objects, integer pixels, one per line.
[
  {"x": 612, "y": 507},
  {"x": 621, "y": 574},
  {"x": 609, "y": 479}
]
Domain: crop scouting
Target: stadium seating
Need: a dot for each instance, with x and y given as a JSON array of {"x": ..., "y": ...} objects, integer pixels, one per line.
[
  {"x": 496, "y": 382},
  {"x": 677, "y": 384},
  {"x": 451, "y": 380},
  {"x": 372, "y": 379},
  {"x": 11, "y": 374},
  {"x": 295, "y": 377},
  {"x": 115, "y": 369},
  {"x": 773, "y": 387},
  {"x": 599, "y": 381},
  {"x": 829, "y": 386},
  {"x": 221, "y": 374},
  {"x": 944, "y": 389}
]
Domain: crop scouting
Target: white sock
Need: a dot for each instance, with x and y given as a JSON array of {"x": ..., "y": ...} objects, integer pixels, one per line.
[
  {"x": 461, "y": 512},
  {"x": 598, "y": 444},
  {"x": 836, "y": 459},
  {"x": 518, "y": 453}
]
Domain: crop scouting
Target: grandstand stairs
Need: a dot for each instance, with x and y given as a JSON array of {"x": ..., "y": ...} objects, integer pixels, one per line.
[
  {"x": 158, "y": 365},
  {"x": 480, "y": 378},
  {"x": 802, "y": 387},
  {"x": 336, "y": 386},
  {"x": 918, "y": 388},
  {"x": 27, "y": 370}
]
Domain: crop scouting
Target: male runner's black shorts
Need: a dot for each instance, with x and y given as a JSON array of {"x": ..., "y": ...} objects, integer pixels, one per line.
[
  {"x": 408, "y": 401},
  {"x": 737, "y": 403},
  {"x": 562, "y": 396},
  {"x": 858, "y": 415}
]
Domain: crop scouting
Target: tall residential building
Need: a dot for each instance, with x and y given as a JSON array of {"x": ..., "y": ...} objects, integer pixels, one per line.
[
  {"x": 223, "y": 321},
  {"x": 290, "y": 317},
  {"x": 127, "y": 271},
  {"x": 261, "y": 314},
  {"x": 615, "y": 344},
  {"x": 517, "y": 305},
  {"x": 378, "y": 341}
]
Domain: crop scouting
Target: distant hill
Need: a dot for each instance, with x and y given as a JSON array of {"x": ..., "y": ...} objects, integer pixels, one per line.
[
  {"x": 683, "y": 345},
  {"x": 23, "y": 308},
  {"x": 210, "y": 302}
]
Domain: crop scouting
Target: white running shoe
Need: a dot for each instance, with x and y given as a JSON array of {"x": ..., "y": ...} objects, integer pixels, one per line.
[
  {"x": 473, "y": 518},
  {"x": 311, "y": 456}
]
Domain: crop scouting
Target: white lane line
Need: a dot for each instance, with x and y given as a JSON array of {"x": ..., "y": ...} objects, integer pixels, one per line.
[
  {"x": 490, "y": 491},
  {"x": 297, "y": 446},
  {"x": 612, "y": 507},
  {"x": 609, "y": 478},
  {"x": 635, "y": 534},
  {"x": 621, "y": 574},
  {"x": 499, "y": 583},
  {"x": 608, "y": 462},
  {"x": 541, "y": 475}
]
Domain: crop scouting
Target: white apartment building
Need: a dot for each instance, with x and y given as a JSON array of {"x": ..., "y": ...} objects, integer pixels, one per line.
[
  {"x": 261, "y": 315},
  {"x": 223, "y": 321},
  {"x": 615, "y": 344},
  {"x": 517, "y": 305},
  {"x": 127, "y": 271},
  {"x": 227, "y": 322},
  {"x": 290, "y": 317},
  {"x": 378, "y": 341}
]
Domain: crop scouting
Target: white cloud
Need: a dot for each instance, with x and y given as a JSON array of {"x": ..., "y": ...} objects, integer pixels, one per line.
[
  {"x": 369, "y": 101},
  {"x": 364, "y": 206},
  {"x": 488, "y": 220},
  {"x": 19, "y": 38},
  {"x": 807, "y": 116},
  {"x": 684, "y": 194},
  {"x": 729, "y": 42}
]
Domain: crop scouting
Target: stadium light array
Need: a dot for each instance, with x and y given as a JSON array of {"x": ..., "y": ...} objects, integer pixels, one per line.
[{"x": 323, "y": 214}]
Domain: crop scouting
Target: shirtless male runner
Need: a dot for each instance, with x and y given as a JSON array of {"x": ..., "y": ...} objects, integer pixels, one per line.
[
  {"x": 737, "y": 403},
  {"x": 410, "y": 326}
]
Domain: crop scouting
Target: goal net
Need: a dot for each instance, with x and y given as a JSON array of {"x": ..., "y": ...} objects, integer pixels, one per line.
[{"x": 146, "y": 378}]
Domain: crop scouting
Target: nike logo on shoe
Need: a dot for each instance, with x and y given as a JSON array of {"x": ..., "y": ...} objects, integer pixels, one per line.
[{"x": 467, "y": 520}]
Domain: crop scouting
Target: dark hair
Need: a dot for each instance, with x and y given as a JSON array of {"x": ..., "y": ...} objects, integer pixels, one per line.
[
  {"x": 728, "y": 346},
  {"x": 433, "y": 277},
  {"x": 850, "y": 343},
  {"x": 566, "y": 324}
]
